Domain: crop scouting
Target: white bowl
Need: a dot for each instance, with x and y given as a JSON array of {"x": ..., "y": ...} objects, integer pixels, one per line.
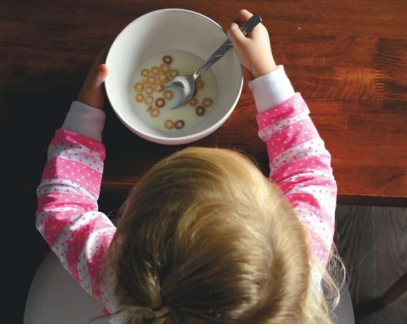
[{"x": 157, "y": 32}]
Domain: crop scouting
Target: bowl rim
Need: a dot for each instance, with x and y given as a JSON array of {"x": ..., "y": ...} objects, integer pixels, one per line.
[{"x": 192, "y": 137}]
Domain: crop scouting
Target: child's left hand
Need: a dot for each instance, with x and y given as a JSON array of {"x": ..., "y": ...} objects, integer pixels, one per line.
[{"x": 92, "y": 92}]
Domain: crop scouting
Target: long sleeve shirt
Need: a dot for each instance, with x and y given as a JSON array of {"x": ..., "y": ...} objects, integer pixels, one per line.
[
  {"x": 300, "y": 165},
  {"x": 68, "y": 217}
]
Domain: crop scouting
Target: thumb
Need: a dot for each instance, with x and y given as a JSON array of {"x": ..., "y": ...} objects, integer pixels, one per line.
[
  {"x": 235, "y": 34},
  {"x": 101, "y": 75}
]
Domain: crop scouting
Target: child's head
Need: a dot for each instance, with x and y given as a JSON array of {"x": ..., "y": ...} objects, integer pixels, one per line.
[{"x": 205, "y": 237}]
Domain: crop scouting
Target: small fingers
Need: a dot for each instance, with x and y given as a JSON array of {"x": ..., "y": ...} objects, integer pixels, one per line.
[
  {"x": 101, "y": 57},
  {"x": 242, "y": 17},
  {"x": 98, "y": 72},
  {"x": 97, "y": 77},
  {"x": 235, "y": 34},
  {"x": 102, "y": 74},
  {"x": 245, "y": 15}
]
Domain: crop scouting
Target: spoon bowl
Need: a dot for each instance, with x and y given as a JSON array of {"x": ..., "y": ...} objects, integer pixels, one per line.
[{"x": 186, "y": 85}]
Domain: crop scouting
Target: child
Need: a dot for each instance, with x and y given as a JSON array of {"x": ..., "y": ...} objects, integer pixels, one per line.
[{"x": 204, "y": 237}]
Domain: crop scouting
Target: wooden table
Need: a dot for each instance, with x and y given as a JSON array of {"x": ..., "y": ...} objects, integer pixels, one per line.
[{"x": 348, "y": 58}]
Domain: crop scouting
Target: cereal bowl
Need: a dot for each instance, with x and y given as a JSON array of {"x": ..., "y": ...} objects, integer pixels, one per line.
[{"x": 156, "y": 33}]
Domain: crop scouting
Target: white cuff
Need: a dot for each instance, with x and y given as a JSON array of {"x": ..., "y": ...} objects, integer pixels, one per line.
[
  {"x": 271, "y": 89},
  {"x": 85, "y": 120}
]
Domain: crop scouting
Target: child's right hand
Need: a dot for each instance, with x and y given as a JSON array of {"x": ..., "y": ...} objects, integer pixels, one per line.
[{"x": 253, "y": 51}]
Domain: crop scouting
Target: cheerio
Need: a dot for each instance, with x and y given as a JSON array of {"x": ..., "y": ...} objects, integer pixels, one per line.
[{"x": 153, "y": 102}]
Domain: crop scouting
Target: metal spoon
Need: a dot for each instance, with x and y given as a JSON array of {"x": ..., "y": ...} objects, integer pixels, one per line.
[{"x": 186, "y": 84}]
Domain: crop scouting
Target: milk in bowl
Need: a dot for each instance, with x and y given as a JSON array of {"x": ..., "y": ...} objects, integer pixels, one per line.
[{"x": 152, "y": 102}]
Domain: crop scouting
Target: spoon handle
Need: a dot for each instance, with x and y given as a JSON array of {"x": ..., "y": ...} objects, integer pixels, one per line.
[{"x": 247, "y": 27}]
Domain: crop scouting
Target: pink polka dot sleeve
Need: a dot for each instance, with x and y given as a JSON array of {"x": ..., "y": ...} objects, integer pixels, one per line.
[
  {"x": 67, "y": 215},
  {"x": 300, "y": 166}
]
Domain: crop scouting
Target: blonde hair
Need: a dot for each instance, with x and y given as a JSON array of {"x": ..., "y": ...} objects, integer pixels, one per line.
[{"x": 206, "y": 237}]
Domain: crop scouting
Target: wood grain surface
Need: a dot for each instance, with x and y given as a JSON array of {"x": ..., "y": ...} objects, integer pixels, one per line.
[{"x": 347, "y": 58}]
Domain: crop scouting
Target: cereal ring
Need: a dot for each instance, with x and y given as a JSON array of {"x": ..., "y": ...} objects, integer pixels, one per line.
[
  {"x": 139, "y": 97},
  {"x": 168, "y": 94},
  {"x": 193, "y": 102},
  {"x": 200, "y": 111},
  {"x": 179, "y": 124},
  {"x": 151, "y": 80},
  {"x": 207, "y": 102},
  {"x": 165, "y": 67},
  {"x": 155, "y": 112},
  {"x": 160, "y": 102},
  {"x": 150, "y": 108},
  {"x": 155, "y": 70},
  {"x": 149, "y": 90},
  {"x": 168, "y": 124},
  {"x": 149, "y": 100},
  {"x": 174, "y": 73},
  {"x": 167, "y": 59},
  {"x": 162, "y": 78},
  {"x": 145, "y": 72},
  {"x": 199, "y": 83},
  {"x": 138, "y": 87},
  {"x": 159, "y": 87}
]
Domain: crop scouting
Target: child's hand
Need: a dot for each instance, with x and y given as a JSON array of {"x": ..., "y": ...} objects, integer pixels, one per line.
[
  {"x": 92, "y": 92},
  {"x": 253, "y": 51}
]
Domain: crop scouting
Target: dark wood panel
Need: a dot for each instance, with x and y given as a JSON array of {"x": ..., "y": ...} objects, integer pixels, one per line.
[
  {"x": 373, "y": 244},
  {"x": 354, "y": 239},
  {"x": 347, "y": 58},
  {"x": 391, "y": 262}
]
